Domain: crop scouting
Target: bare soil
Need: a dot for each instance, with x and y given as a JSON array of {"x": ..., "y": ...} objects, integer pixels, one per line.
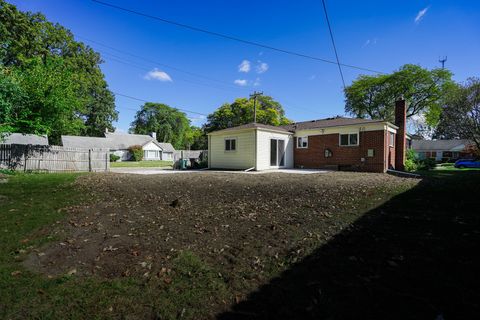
[{"x": 246, "y": 226}]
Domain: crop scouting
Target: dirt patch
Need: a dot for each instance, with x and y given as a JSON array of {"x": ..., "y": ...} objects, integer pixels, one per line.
[{"x": 246, "y": 226}]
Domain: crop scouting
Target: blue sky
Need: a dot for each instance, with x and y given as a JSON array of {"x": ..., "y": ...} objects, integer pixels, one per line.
[{"x": 199, "y": 72}]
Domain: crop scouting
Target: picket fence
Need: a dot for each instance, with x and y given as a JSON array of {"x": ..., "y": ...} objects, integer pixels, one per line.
[{"x": 37, "y": 158}]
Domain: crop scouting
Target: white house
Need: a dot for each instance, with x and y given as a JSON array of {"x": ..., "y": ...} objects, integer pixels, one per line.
[
  {"x": 119, "y": 143},
  {"x": 442, "y": 149},
  {"x": 252, "y": 146}
]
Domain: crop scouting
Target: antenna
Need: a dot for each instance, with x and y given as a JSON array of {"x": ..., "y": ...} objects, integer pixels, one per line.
[{"x": 442, "y": 61}]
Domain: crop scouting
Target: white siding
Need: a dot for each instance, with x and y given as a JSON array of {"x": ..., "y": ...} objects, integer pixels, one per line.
[
  {"x": 263, "y": 148},
  {"x": 167, "y": 155},
  {"x": 241, "y": 158},
  {"x": 151, "y": 151}
]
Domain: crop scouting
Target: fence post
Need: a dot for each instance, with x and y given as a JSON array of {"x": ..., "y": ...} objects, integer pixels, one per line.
[
  {"x": 107, "y": 161},
  {"x": 89, "y": 160},
  {"x": 25, "y": 154}
]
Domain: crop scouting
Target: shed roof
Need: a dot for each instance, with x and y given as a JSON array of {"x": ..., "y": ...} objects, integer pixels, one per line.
[
  {"x": 329, "y": 122},
  {"x": 440, "y": 145},
  {"x": 254, "y": 126},
  {"x": 20, "y": 138}
]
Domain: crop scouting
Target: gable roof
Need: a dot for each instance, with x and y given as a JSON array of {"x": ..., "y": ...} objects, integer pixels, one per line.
[
  {"x": 20, "y": 138},
  {"x": 329, "y": 122},
  {"x": 253, "y": 126},
  {"x": 441, "y": 145},
  {"x": 126, "y": 140},
  {"x": 113, "y": 141},
  {"x": 166, "y": 146}
]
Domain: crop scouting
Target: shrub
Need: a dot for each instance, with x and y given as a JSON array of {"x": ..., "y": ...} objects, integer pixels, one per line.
[
  {"x": 410, "y": 165},
  {"x": 427, "y": 164},
  {"x": 137, "y": 152},
  {"x": 114, "y": 157}
]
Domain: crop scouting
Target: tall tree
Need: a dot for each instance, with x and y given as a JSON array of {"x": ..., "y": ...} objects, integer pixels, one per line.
[
  {"x": 374, "y": 96},
  {"x": 170, "y": 124},
  {"x": 241, "y": 112},
  {"x": 460, "y": 118},
  {"x": 41, "y": 97},
  {"x": 25, "y": 36}
]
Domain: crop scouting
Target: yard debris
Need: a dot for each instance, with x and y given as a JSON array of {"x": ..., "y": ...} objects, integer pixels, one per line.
[{"x": 16, "y": 273}]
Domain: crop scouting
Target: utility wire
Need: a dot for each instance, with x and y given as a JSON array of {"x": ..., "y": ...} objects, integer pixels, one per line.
[
  {"x": 229, "y": 37},
  {"x": 153, "y": 61},
  {"x": 333, "y": 43},
  {"x": 142, "y": 100}
]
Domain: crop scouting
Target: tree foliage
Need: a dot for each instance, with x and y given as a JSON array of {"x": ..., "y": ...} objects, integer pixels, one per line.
[
  {"x": 170, "y": 124},
  {"x": 374, "y": 96},
  {"x": 460, "y": 117},
  {"x": 28, "y": 40},
  {"x": 240, "y": 112}
]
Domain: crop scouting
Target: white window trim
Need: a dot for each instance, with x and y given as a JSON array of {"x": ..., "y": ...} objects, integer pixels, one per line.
[
  {"x": 348, "y": 145},
  {"x": 391, "y": 142},
  {"x": 224, "y": 144},
  {"x": 302, "y": 147}
]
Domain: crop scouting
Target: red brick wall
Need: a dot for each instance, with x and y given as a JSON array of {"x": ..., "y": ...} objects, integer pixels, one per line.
[{"x": 314, "y": 155}]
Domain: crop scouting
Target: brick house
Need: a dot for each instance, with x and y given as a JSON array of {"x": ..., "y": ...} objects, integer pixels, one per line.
[{"x": 336, "y": 143}]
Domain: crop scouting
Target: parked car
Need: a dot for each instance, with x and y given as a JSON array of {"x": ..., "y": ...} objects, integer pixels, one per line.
[{"x": 467, "y": 163}]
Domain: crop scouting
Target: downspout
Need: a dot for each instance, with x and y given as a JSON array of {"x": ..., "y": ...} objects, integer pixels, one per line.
[{"x": 255, "y": 151}]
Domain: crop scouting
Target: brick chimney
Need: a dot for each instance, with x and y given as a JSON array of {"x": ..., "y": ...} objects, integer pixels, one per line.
[
  {"x": 153, "y": 135},
  {"x": 400, "y": 143}
]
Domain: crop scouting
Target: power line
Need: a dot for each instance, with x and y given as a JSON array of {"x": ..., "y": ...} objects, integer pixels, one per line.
[
  {"x": 154, "y": 61},
  {"x": 225, "y": 36},
  {"x": 333, "y": 43},
  {"x": 142, "y": 100}
]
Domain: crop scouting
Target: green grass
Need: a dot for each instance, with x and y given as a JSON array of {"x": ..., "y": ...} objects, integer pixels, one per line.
[
  {"x": 29, "y": 203},
  {"x": 141, "y": 164}
]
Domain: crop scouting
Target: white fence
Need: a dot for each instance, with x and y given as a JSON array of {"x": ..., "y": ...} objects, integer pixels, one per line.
[{"x": 53, "y": 158}]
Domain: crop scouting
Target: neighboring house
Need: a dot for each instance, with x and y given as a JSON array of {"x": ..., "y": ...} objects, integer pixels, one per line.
[
  {"x": 443, "y": 150},
  {"x": 343, "y": 143},
  {"x": 20, "y": 138},
  {"x": 119, "y": 143}
]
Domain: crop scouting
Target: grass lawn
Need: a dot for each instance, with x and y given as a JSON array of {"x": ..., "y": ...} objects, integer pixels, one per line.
[
  {"x": 141, "y": 164},
  {"x": 335, "y": 245},
  {"x": 29, "y": 206}
]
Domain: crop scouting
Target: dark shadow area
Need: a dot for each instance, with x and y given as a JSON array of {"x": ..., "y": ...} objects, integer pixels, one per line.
[{"x": 415, "y": 257}]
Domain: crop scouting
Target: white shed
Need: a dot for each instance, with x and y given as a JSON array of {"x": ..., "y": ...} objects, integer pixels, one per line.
[{"x": 251, "y": 146}]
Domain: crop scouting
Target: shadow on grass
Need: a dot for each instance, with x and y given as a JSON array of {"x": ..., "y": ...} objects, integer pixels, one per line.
[{"x": 415, "y": 257}]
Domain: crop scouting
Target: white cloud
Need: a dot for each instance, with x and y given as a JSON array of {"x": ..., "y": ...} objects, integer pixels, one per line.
[
  {"x": 159, "y": 75},
  {"x": 257, "y": 82},
  {"x": 370, "y": 42},
  {"x": 262, "y": 67},
  {"x": 240, "y": 82},
  {"x": 421, "y": 14},
  {"x": 197, "y": 119},
  {"x": 244, "y": 66}
]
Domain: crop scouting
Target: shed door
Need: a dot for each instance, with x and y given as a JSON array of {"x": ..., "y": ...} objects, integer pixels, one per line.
[{"x": 277, "y": 153}]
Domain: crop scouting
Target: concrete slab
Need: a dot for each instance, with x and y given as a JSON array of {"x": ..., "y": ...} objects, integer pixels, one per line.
[{"x": 149, "y": 171}]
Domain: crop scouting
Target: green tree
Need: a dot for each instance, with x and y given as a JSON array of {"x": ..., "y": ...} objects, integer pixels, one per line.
[
  {"x": 374, "y": 96},
  {"x": 25, "y": 36},
  {"x": 240, "y": 112},
  {"x": 197, "y": 139},
  {"x": 41, "y": 97},
  {"x": 460, "y": 117},
  {"x": 170, "y": 124}
]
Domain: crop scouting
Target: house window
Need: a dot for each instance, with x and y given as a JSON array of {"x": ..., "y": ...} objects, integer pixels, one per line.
[
  {"x": 328, "y": 153},
  {"x": 302, "y": 142},
  {"x": 230, "y": 144},
  {"x": 350, "y": 139},
  {"x": 391, "y": 139}
]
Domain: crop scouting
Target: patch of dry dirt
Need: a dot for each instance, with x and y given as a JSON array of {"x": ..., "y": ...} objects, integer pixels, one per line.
[{"x": 241, "y": 224}]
